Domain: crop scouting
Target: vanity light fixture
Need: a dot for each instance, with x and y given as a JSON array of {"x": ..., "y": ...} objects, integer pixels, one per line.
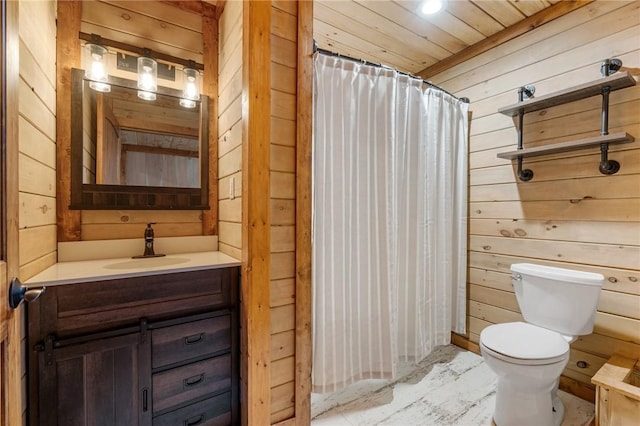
[
  {"x": 95, "y": 64},
  {"x": 147, "y": 76},
  {"x": 191, "y": 91},
  {"x": 429, "y": 7},
  {"x": 94, "y": 61}
]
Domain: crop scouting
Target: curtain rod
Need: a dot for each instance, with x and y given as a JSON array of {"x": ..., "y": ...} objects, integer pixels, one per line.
[{"x": 373, "y": 64}]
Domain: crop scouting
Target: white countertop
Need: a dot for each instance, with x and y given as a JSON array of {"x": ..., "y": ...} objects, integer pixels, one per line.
[{"x": 125, "y": 267}]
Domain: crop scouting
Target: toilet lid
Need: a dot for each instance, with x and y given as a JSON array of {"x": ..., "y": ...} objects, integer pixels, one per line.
[{"x": 524, "y": 341}]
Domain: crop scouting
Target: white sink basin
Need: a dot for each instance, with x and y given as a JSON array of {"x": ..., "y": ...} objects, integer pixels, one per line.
[{"x": 149, "y": 262}]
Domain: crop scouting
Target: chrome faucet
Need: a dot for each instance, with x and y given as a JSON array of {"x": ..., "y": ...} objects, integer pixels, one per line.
[{"x": 148, "y": 240}]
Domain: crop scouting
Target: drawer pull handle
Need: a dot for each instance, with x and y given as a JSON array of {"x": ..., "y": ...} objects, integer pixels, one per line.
[
  {"x": 192, "y": 340},
  {"x": 193, "y": 421},
  {"x": 194, "y": 380},
  {"x": 145, "y": 399}
]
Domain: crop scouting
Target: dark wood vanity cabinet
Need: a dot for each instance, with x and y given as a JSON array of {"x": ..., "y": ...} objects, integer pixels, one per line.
[{"x": 148, "y": 350}]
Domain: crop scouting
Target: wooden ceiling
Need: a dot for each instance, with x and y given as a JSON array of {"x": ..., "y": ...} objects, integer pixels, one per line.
[{"x": 394, "y": 33}]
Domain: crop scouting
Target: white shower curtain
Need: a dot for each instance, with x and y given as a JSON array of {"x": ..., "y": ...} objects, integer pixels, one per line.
[{"x": 389, "y": 221}]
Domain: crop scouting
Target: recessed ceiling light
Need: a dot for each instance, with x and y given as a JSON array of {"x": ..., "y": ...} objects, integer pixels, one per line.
[{"x": 429, "y": 7}]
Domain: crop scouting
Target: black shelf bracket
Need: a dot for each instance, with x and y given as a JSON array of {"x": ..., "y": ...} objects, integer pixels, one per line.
[
  {"x": 524, "y": 91},
  {"x": 607, "y": 167},
  {"x": 608, "y": 67}
]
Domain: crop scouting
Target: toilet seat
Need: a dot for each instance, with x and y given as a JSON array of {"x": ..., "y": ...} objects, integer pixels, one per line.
[{"x": 523, "y": 343}]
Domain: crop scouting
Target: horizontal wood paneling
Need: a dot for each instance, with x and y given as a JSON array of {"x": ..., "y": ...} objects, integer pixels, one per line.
[
  {"x": 37, "y": 135},
  {"x": 35, "y": 248},
  {"x": 282, "y": 345},
  {"x": 230, "y": 129},
  {"x": 36, "y": 145},
  {"x": 622, "y": 280},
  {"x": 284, "y": 29},
  {"x": 162, "y": 27},
  {"x": 283, "y": 292},
  {"x": 589, "y": 232},
  {"x": 282, "y": 401},
  {"x": 122, "y": 22},
  {"x": 36, "y": 242},
  {"x": 36, "y": 210},
  {"x": 569, "y": 215}
]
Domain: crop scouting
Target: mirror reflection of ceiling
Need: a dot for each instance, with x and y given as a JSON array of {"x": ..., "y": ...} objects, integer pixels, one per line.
[
  {"x": 164, "y": 115},
  {"x": 130, "y": 141}
]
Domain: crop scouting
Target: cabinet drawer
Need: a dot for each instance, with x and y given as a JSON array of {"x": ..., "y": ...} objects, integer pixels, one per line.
[
  {"x": 189, "y": 340},
  {"x": 179, "y": 385},
  {"x": 214, "y": 411},
  {"x": 73, "y": 309}
]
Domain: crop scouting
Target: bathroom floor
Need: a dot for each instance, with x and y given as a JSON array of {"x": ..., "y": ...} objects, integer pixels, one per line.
[{"x": 451, "y": 387}]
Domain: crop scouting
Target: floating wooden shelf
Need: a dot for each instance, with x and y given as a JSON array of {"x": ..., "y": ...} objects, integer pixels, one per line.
[
  {"x": 616, "y": 81},
  {"x": 603, "y": 86},
  {"x": 615, "y": 138}
]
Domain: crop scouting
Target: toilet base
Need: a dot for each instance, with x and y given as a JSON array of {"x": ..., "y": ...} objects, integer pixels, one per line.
[
  {"x": 527, "y": 409},
  {"x": 558, "y": 409}
]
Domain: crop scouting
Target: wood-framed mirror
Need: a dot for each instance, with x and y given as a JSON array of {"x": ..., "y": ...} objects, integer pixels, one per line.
[{"x": 128, "y": 153}]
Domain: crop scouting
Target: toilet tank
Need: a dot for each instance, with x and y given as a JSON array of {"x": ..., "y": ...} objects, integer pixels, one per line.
[{"x": 557, "y": 299}]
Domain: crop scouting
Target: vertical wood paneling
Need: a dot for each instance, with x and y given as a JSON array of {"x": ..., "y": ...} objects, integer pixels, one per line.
[
  {"x": 210, "y": 88},
  {"x": 67, "y": 57},
  {"x": 303, "y": 212},
  {"x": 569, "y": 215}
]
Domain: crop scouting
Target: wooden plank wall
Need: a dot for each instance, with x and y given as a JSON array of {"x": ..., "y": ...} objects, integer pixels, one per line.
[
  {"x": 37, "y": 147},
  {"x": 569, "y": 215},
  {"x": 37, "y": 127},
  {"x": 230, "y": 130},
  {"x": 162, "y": 27},
  {"x": 282, "y": 177},
  {"x": 284, "y": 34}
]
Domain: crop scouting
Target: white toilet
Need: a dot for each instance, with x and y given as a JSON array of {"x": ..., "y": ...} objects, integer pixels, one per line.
[{"x": 558, "y": 305}]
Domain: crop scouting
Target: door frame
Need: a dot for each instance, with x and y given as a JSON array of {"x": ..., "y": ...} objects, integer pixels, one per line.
[{"x": 11, "y": 401}]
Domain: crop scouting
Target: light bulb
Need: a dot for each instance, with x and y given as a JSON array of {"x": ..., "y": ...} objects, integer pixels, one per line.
[
  {"x": 429, "y": 7},
  {"x": 95, "y": 58},
  {"x": 191, "y": 84},
  {"x": 191, "y": 91},
  {"x": 147, "y": 78}
]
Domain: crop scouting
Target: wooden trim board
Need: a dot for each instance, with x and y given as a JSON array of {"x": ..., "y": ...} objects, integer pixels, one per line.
[
  {"x": 11, "y": 394},
  {"x": 256, "y": 221},
  {"x": 303, "y": 213},
  {"x": 67, "y": 57},
  {"x": 210, "y": 86}
]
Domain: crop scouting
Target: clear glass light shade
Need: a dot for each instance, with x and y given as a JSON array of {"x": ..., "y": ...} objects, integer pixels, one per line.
[
  {"x": 187, "y": 103},
  {"x": 95, "y": 66},
  {"x": 147, "y": 96},
  {"x": 147, "y": 78},
  {"x": 191, "y": 84}
]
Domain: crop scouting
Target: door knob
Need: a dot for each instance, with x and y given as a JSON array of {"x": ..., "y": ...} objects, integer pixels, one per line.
[{"x": 19, "y": 292}]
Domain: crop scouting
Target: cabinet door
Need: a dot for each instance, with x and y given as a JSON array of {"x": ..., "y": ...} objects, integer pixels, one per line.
[{"x": 96, "y": 383}]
